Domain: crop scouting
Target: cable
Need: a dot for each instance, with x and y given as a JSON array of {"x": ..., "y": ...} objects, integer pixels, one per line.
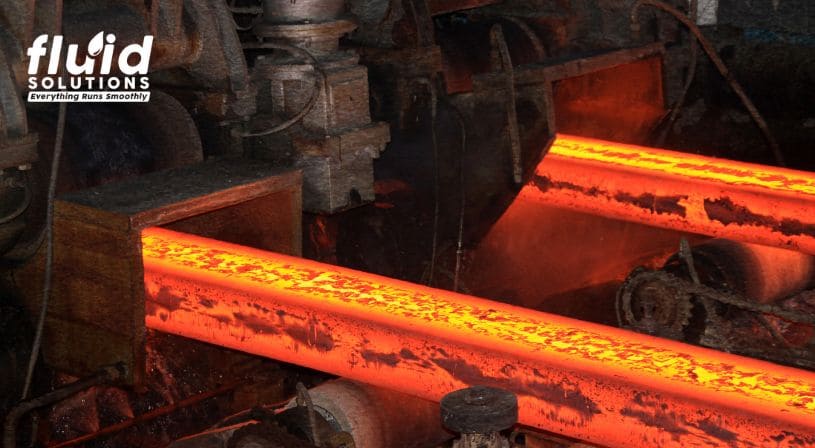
[
  {"x": 436, "y": 188},
  {"x": 49, "y": 249},
  {"x": 501, "y": 58},
  {"x": 680, "y": 102},
  {"x": 21, "y": 208},
  {"x": 319, "y": 83},
  {"x": 717, "y": 61},
  {"x": 533, "y": 37},
  {"x": 463, "y": 198},
  {"x": 686, "y": 255}
]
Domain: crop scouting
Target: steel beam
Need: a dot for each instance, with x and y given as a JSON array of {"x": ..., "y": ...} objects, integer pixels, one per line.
[
  {"x": 603, "y": 385},
  {"x": 674, "y": 190}
]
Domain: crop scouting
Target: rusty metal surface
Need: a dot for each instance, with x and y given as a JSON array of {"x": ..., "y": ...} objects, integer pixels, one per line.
[
  {"x": 438, "y": 7},
  {"x": 320, "y": 38},
  {"x": 716, "y": 197},
  {"x": 19, "y": 152},
  {"x": 336, "y": 141},
  {"x": 18, "y": 147},
  {"x": 302, "y": 10},
  {"x": 554, "y": 71},
  {"x": 97, "y": 268},
  {"x": 575, "y": 378}
]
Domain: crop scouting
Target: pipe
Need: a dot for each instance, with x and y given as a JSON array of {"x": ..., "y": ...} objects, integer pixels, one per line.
[
  {"x": 594, "y": 383},
  {"x": 680, "y": 191}
]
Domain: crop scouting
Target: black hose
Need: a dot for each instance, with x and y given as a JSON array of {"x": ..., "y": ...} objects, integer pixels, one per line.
[
  {"x": 462, "y": 199},
  {"x": 434, "y": 101},
  {"x": 49, "y": 249}
]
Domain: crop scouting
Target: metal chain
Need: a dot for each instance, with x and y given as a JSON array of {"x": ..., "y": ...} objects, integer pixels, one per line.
[{"x": 730, "y": 298}]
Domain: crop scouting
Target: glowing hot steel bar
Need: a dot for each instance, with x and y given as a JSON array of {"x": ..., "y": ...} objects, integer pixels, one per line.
[
  {"x": 595, "y": 383},
  {"x": 717, "y": 197}
]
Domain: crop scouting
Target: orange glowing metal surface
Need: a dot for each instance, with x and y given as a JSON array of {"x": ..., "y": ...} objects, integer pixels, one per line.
[
  {"x": 717, "y": 197},
  {"x": 596, "y": 383},
  {"x": 689, "y": 165}
]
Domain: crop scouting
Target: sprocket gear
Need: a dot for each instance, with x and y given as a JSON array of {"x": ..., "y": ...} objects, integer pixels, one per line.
[{"x": 647, "y": 304}]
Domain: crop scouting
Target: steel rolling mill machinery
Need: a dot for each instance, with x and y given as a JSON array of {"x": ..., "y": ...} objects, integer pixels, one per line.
[{"x": 407, "y": 223}]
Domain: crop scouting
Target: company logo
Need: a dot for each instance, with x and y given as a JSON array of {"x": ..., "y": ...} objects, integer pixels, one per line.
[{"x": 98, "y": 74}]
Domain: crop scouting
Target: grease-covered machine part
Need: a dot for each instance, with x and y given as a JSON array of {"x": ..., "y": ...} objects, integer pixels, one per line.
[
  {"x": 662, "y": 304},
  {"x": 377, "y": 417},
  {"x": 480, "y": 413},
  {"x": 479, "y": 409},
  {"x": 761, "y": 273}
]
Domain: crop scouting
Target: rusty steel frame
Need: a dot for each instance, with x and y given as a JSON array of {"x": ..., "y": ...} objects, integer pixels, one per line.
[
  {"x": 595, "y": 383},
  {"x": 680, "y": 191}
]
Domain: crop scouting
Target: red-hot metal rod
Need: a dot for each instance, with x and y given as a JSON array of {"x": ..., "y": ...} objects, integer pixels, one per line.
[
  {"x": 687, "y": 192},
  {"x": 600, "y": 384}
]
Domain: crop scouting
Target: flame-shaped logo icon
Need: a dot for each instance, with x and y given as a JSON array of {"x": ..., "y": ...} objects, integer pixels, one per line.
[{"x": 96, "y": 44}]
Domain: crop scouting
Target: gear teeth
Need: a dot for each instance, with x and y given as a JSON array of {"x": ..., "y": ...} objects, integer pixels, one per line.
[
  {"x": 677, "y": 305},
  {"x": 684, "y": 308}
]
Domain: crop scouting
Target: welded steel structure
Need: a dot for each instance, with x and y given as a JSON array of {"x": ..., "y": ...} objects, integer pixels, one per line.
[
  {"x": 681, "y": 191},
  {"x": 591, "y": 382}
]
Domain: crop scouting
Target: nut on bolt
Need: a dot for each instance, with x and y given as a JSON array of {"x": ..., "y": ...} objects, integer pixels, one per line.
[{"x": 479, "y": 413}]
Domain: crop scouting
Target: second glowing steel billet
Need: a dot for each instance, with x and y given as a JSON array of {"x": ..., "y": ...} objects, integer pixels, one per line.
[{"x": 680, "y": 191}]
